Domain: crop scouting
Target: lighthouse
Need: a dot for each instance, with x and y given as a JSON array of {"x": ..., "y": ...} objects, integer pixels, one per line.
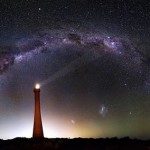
[{"x": 37, "y": 127}]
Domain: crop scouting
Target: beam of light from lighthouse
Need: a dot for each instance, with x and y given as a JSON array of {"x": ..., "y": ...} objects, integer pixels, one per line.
[{"x": 77, "y": 63}]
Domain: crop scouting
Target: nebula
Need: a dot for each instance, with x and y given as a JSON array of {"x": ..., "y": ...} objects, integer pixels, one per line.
[{"x": 6, "y": 58}]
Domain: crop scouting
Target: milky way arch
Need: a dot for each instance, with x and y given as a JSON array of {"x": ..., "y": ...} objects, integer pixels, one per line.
[{"x": 96, "y": 45}]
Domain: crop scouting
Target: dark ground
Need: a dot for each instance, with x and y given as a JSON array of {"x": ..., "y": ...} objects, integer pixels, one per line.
[{"x": 74, "y": 144}]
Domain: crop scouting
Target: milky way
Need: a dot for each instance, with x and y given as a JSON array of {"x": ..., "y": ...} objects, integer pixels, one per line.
[{"x": 119, "y": 50}]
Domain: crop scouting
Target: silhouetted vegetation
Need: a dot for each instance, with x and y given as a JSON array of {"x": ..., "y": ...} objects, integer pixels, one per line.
[{"x": 75, "y": 144}]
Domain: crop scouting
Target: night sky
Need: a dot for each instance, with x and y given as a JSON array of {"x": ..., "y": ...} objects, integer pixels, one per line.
[{"x": 92, "y": 59}]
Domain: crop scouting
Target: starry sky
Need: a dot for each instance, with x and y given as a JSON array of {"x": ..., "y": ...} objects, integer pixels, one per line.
[{"x": 91, "y": 59}]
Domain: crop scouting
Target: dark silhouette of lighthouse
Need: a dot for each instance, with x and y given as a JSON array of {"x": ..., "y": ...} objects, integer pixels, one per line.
[{"x": 37, "y": 128}]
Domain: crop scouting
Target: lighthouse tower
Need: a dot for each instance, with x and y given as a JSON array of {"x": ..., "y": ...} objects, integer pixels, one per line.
[{"x": 37, "y": 127}]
